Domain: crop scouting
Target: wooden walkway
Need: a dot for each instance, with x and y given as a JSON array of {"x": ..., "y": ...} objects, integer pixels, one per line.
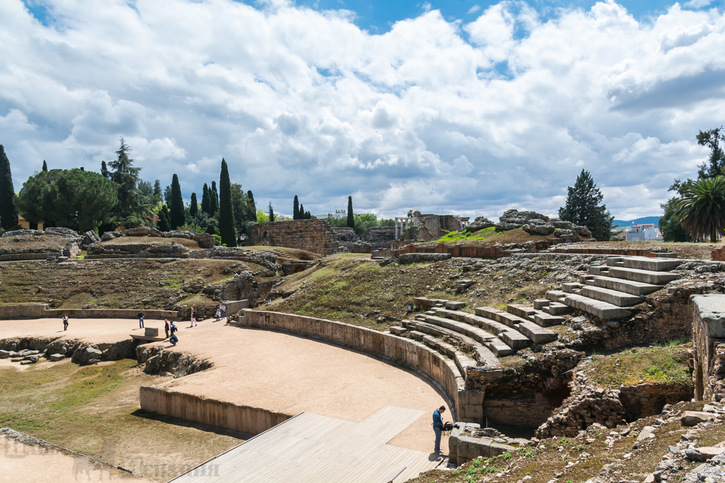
[{"x": 312, "y": 448}]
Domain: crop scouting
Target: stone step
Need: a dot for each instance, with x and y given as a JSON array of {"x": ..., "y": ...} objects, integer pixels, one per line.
[
  {"x": 556, "y": 295},
  {"x": 571, "y": 287},
  {"x": 481, "y": 352},
  {"x": 539, "y": 304},
  {"x": 463, "y": 362},
  {"x": 645, "y": 276},
  {"x": 556, "y": 308},
  {"x": 652, "y": 264},
  {"x": 512, "y": 337},
  {"x": 598, "y": 269},
  {"x": 614, "y": 297},
  {"x": 523, "y": 311},
  {"x": 536, "y": 333},
  {"x": 627, "y": 286},
  {"x": 544, "y": 319},
  {"x": 597, "y": 308}
]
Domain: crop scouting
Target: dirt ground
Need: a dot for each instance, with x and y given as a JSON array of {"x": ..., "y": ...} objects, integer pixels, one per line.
[
  {"x": 273, "y": 371},
  {"x": 47, "y": 464}
]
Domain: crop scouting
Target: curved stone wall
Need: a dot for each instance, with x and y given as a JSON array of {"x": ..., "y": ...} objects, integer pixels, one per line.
[{"x": 443, "y": 372}]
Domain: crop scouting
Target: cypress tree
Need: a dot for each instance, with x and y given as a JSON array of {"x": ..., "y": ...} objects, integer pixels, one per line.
[
  {"x": 213, "y": 199},
  {"x": 45, "y": 166},
  {"x": 8, "y": 212},
  {"x": 193, "y": 207},
  {"x": 104, "y": 169},
  {"x": 251, "y": 207},
  {"x": 301, "y": 213},
  {"x": 271, "y": 213},
  {"x": 164, "y": 219},
  {"x": 296, "y": 209},
  {"x": 205, "y": 199},
  {"x": 177, "y": 204},
  {"x": 157, "y": 191},
  {"x": 350, "y": 216},
  {"x": 226, "y": 213}
]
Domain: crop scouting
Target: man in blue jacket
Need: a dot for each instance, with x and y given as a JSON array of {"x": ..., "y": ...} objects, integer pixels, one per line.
[{"x": 438, "y": 427}]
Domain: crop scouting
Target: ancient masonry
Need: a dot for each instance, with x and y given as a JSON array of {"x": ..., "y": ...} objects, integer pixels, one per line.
[{"x": 316, "y": 236}]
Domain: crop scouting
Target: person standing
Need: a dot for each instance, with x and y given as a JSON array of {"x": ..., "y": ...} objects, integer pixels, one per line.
[
  {"x": 166, "y": 327},
  {"x": 65, "y": 322},
  {"x": 140, "y": 320},
  {"x": 193, "y": 317},
  {"x": 438, "y": 427}
]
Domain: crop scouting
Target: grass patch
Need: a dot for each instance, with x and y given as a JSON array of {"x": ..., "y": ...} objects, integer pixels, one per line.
[
  {"x": 661, "y": 365},
  {"x": 94, "y": 410}
]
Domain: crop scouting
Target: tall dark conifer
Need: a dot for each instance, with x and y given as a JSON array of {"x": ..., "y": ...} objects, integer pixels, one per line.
[
  {"x": 350, "y": 216},
  {"x": 251, "y": 207},
  {"x": 213, "y": 199},
  {"x": 8, "y": 212},
  {"x": 194, "y": 206},
  {"x": 205, "y": 200},
  {"x": 176, "y": 214},
  {"x": 45, "y": 166},
  {"x": 271, "y": 213},
  {"x": 226, "y": 214},
  {"x": 296, "y": 209}
]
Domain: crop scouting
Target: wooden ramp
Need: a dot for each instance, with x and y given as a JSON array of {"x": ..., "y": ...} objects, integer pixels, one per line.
[{"x": 312, "y": 448}]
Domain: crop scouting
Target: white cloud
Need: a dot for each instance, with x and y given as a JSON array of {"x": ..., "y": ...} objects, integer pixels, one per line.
[{"x": 472, "y": 117}]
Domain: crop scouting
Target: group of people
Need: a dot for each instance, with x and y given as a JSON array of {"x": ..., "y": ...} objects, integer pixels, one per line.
[
  {"x": 221, "y": 311},
  {"x": 171, "y": 329}
]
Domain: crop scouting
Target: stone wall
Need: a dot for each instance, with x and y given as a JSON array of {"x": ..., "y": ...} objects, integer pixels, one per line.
[
  {"x": 222, "y": 414},
  {"x": 315, "y": 236},
  {"x": 708, "y": 345},
  {"x": 465, "y": 405},
  {"x": 472, "y": 251}
]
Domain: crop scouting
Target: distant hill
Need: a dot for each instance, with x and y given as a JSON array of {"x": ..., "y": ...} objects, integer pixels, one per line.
[{"x": 639, "y": 221}]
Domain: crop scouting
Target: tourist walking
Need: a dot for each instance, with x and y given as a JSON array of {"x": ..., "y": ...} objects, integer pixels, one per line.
[
  {"x": 166, "y": 327},
  {"x": 438, "y": 427},
  {"x": 65, "y": 322},
  {"x": 140, "y": 320},
  {"x": 218, "y": 312},
  {"x": 193, "y": 317},
  {"x": 224, "y": 309}
]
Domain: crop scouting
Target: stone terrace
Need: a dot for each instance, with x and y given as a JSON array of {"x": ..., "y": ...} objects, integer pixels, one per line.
[{"x": 476, "y": 341}]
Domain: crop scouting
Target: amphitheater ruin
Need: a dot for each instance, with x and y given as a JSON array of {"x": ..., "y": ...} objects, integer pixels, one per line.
[{"x": 323, "y": 400}]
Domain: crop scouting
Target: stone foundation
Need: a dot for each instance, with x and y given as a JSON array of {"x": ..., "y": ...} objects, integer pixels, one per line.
[
  {"x": 708, "y": 346},
  {"x": 316, "y": 236},
  {"x": 244, "y": 419}
]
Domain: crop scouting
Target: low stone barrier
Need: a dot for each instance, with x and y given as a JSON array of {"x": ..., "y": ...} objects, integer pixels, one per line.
[
  {"x": 383, "y": 345},
  {"x": 222, "y": 414},
  {"x": 39, "y": 311},
  {"x": 708, "y": 346}
]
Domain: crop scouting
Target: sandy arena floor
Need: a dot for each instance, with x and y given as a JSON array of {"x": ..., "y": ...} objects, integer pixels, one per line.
[{"x": 272, "y": 371}]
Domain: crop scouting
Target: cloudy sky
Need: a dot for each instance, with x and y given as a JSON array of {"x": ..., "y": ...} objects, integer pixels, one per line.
[{"x": 451, "y": 106}]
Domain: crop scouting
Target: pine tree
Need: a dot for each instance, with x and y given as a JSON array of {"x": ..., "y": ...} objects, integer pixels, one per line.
[
  {"x": 176, "y": 214},
  {"x": 271, "y": 213},
  {"x": 251, "y": 207},
  {"x": 213, "y": 199},
  {"x": 296, "y": 209},
  {"x": 350, "y": 216},
  {"x": 226, "y": 214},
  {"x": 45, "y": 166},
  {"x": 194, "y": 206},
  {"x": 582, "y": 207},
  {"x": 205, "y": 200},
  {"x": 8, "y": 212},
  {"x": 128, "y": 210}
]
